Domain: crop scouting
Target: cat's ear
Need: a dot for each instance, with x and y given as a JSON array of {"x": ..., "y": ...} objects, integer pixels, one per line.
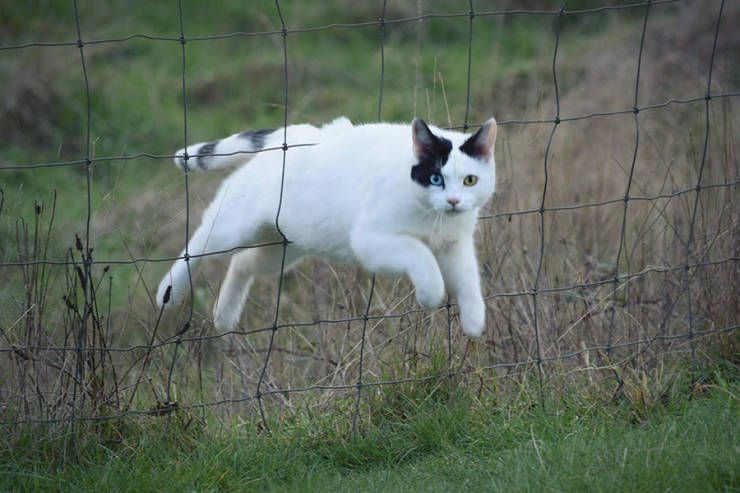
[
  {"x": 480, "y": 144},
  {"x": 425, "y": 142}
]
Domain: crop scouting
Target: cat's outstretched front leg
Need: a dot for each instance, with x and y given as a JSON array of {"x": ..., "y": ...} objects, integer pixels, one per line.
[
  {"x": 460, "y": 270},
  {"x": 401, "y": 254}
]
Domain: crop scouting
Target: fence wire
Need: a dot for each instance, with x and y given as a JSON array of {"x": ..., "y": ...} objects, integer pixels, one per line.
[{"x": 91, "y": 330}]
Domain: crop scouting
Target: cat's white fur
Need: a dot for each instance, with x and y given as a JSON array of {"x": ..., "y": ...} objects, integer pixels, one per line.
[{"x": 349, "y": 197}]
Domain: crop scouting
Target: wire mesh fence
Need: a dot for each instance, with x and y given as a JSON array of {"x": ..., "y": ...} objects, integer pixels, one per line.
[{"x": 595, "y": 273}]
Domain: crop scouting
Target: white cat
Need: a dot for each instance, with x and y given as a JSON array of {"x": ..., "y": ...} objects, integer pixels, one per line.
[{"x": 394, "y": 198}]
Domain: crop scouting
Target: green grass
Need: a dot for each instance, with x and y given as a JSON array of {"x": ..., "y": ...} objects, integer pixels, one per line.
[{"x": 690, "y": 444}]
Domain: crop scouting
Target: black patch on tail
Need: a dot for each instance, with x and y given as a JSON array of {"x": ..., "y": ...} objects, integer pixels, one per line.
[
  {"x": 257, "y": 137},
  {"x": 204, "y": 154}
]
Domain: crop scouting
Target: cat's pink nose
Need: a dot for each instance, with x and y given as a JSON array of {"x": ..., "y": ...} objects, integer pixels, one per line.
[{"x": 453, "y": 201}]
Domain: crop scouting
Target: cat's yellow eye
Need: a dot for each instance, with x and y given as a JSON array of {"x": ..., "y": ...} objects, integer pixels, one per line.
[{"x": 470, "y": 180}]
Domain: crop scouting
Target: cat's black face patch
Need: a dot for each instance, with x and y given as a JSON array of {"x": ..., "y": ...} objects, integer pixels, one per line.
[
  {"x": 432, "y": 155},
  {"x": 257, "y": 137}
]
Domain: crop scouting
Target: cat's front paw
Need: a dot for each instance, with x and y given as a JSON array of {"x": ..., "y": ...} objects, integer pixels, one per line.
[
  {"x": 431, "y": 293},
  {"x": 473, "y": 318}
]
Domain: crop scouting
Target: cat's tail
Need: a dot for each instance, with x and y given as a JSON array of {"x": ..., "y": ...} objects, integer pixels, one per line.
[{"x": 235, "y": 149}]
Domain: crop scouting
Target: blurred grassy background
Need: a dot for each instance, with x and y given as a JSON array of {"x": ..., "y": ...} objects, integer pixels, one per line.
[{"x": 236, "y": 83}]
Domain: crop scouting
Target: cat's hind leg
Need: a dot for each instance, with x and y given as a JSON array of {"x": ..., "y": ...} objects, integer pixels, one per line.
[
  {"x": 177, "y": 280},
  {"x": 244, "y": 266},
  {"x": 215, "y": 235}
]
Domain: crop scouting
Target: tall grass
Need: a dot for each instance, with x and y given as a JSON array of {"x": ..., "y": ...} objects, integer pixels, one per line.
[{"x": 590, "y": 237}]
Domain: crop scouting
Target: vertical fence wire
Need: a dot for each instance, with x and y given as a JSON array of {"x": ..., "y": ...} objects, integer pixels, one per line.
[
  {"x": 81, "y": 340},
  {"x": 170, "y": 403},
  {"x": 259, "y": 394},
  {"x": 541, "y": 212},
  {"x": 690, "y": 238},
  {"x": 628, "y": 188}
]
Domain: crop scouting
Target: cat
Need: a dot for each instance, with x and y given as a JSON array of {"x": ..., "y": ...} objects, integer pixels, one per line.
[{"x": 393, "y": 198}]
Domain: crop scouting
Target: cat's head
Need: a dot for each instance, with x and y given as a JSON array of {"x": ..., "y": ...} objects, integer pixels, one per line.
[{"x": 454, "y": 172}]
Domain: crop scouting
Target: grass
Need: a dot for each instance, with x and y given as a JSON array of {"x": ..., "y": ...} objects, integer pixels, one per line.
[{"x": 688, "y": 444}]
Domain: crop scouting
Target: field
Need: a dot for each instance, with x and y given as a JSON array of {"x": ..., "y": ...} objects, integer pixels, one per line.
[{"x": 609, "y": 255}]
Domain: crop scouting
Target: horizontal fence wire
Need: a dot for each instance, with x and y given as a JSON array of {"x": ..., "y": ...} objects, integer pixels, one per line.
[{"x": 614, "y": 280}]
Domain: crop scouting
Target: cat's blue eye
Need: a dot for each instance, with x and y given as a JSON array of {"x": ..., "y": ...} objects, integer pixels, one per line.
[{"x": 436, "y": 180}]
